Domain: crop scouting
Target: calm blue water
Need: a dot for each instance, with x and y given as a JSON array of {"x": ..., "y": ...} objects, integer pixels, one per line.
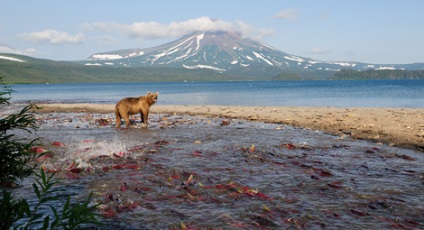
[{"x": 390, "y": 93}]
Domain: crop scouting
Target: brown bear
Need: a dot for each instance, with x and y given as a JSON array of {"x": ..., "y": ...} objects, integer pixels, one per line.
[{"x": 132, "y": 105}]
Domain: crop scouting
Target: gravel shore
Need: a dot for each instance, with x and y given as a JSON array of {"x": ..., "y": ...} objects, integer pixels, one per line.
[{"x": 402, "y": 127}]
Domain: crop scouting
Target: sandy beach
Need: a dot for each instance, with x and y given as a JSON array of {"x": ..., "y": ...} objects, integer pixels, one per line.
[{"x": 402, "y": 127}]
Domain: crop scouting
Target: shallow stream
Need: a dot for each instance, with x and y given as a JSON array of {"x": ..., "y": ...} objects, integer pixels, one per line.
[{"x": 185, "y": 172}]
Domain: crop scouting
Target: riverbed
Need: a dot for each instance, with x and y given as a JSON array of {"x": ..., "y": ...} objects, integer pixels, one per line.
[{"x": 192, "y": 172}]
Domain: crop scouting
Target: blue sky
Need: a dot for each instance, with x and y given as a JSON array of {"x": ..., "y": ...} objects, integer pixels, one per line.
[{"x": 371, "y": 31}]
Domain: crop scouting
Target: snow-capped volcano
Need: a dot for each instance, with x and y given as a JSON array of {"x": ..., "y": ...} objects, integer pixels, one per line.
[
  {"x": 221, "y": 51},
  {"x": 211, "y": 50}
]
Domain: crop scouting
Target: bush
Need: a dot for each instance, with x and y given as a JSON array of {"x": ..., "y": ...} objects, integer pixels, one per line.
[
  {"x": 16, "y": 162},
  {"x": 73, "y": 216},
  {"x": 16, "y": 154}
]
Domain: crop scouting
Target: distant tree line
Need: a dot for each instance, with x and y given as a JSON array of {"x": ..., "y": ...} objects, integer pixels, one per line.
[{"x": 350, "y": 74}]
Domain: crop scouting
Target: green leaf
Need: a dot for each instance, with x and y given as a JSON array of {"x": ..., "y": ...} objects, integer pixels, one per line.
[
  {"x": 57, "y": 218},
  {"x": 47, "y": 199},
  {"x": 66, "y": 205},
  {"x": 37, "y": 191},
  {"x": 46, "y": 222}
]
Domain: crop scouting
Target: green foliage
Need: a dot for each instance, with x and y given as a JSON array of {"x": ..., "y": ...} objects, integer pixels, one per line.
[
  {"x": 12, "y": 210},
  {"x": 70, "y": 216},
  {"x": 4, "y": 99},
  {"x": 15, "y": 153},
  {"x": 287, "y": 75},
  {"x": 16, "y": 162},
  {"x": 349, "y": 74}
]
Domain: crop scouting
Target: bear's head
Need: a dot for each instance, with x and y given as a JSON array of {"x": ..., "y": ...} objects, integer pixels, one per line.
[{"x": 152, "y": 97}]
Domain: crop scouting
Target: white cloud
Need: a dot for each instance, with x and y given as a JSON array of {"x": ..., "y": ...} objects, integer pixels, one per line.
[
  {"x": 7, "y": 49},
  {"x": 154, "y": 30},
  {"x": 53, "y": 37},
  {"x": 263, "y": 33},
  {"x": 105, "y": 40},
  {"x": 287, "y": 14}
]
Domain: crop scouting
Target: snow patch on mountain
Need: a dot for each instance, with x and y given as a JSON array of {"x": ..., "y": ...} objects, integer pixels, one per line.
[
  {"x": 268, "y": 46},
  {"x": 203, "y": 67},
  {"x": 385, "y": 68},
  {"x": 259, "y": 56},
  {"x": 294, "y": 58},
  {"x": 135, "y": 54},
  {"x": 344, "y": 64},
  {"x": 199, "y": 38},
  {"x": 157, "y": 56},
  {"x": 105, "y": 57},
  {"x": 93, "y": 64},
  {"x": 11, "y": 59},
  {"x": 184, "y": 56}
]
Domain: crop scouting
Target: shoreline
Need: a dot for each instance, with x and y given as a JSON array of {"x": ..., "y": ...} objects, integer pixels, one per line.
[{"x": 401, "y": 127}]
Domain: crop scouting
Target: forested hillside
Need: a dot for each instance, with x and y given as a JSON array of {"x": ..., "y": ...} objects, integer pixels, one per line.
[{"x": 349, "y": 74}]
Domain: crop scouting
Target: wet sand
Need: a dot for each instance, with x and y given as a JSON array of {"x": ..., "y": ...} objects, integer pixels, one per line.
[{"x": 402, "y": 127}]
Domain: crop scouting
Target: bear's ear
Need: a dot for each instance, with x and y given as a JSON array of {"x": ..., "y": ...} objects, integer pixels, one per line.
[
  {"x": 157, "y": 93},
  {"x": 148, "y": 93}
]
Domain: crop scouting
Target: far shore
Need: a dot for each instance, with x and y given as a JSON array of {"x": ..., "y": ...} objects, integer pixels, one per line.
[{"x": 402, "y": 127}]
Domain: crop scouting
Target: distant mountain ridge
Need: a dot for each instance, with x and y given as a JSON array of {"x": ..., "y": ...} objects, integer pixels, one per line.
[
  {"x": 16, "y": 68},
  {"x": 226, "y": 52},
  {"x": 201, "y": 56}
]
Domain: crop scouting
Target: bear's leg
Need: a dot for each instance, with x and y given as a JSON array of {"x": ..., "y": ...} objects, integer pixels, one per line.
[
  {"x": 126, "y": 117},
  {"x": 145, "y": 117},
  {"x": 142, "y": 117},
  {"x": 118, "y": 119}
]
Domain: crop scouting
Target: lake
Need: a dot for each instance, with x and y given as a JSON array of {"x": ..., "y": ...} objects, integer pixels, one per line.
[{"x": 381, "y": 93}]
